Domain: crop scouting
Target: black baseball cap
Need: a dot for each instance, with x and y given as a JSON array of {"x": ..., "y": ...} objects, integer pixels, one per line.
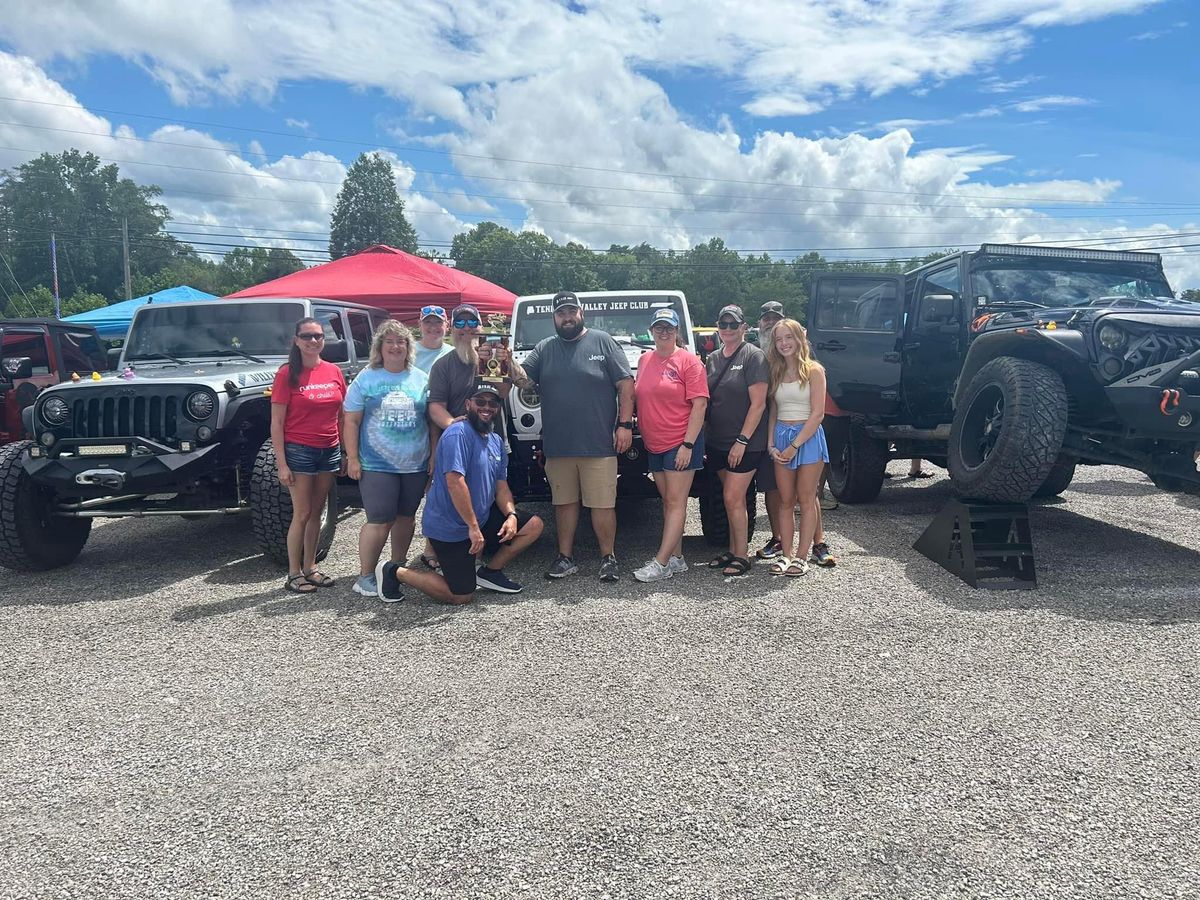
[
  {"x": 466, "y": 311},
  {"x": 486, "y": 387},
  {"x": 771, "y": 308},
  {"x": 733, "y": 311},
  {"x": 566, "y": 298}
]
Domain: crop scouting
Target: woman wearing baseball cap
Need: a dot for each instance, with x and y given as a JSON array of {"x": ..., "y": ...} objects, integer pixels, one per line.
[{"x": 672, "y": 396}]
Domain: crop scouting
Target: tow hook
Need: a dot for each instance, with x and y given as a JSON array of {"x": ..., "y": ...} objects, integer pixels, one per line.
[
  {"x": 105, "y": 478},
  {"x": 1170, "y": 397}
]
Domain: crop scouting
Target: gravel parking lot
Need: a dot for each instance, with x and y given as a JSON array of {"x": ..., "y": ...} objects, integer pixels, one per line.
[{"x": 173, "y": 725}]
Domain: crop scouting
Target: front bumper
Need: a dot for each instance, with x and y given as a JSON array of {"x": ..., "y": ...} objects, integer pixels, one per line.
[
  {"x": 1161, "y": 402},
  {"x": 140, "y": 473}
]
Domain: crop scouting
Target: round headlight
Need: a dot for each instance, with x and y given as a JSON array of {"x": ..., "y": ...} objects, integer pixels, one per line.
[
  {"x": 529, "y": 397},
  {"x": 200, "y": 405},
  {"x": 55, "y": 411},
  {"x": 1112, "y": 337}
]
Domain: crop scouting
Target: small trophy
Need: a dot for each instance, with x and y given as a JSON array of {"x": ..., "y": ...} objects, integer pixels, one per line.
[{"x": 492, "y": 369}]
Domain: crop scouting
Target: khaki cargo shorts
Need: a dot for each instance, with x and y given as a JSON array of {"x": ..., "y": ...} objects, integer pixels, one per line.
[{"x": 592, "y": 477}]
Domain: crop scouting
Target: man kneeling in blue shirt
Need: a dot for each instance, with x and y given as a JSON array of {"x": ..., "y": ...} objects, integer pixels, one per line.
[{"x": 470, "y": 486}]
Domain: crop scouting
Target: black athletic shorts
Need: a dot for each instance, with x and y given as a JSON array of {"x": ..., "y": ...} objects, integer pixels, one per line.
[
  {"x": 458, "y": 564},
  {"x": 718, "y": 460}
]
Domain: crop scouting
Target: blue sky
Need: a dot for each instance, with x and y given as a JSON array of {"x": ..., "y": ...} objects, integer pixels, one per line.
[{"x": 828, "y": 124}]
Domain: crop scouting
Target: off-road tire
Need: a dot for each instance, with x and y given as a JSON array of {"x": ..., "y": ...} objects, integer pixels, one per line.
[
  {"x": 857, "y": 461},
  {"x": 714, "y": 520},
  {"x": 1058, "y": 480},
  {"x": 31, "y": 538},
  {"x": 1008, "y": 431},
  {"x": 271, "y": 510}
]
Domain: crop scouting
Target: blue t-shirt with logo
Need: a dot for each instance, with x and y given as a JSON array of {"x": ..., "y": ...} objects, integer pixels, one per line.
[
  {"x": 482, "y": 461},
  {"x": 424, "y": 358},
  {"x": 394, "y": 434}
]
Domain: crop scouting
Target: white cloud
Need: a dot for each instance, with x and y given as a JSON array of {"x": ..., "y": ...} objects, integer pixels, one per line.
[
  {"x": 1162, "y": 32},
  {"x": 1056, "y": 101},
  {"x": 995, "y": 85}
]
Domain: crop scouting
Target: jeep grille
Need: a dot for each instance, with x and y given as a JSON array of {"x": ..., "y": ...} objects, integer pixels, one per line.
[
  {"x": 1157, "y": 347},
  {"x": 155, "y": 418}
]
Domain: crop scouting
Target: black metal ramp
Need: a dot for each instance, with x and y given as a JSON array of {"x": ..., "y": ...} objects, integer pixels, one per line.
[{"x": 987, "y": 545}]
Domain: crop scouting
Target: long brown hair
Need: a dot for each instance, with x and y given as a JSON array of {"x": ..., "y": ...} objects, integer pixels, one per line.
[
  {"x": 295, "y": 363},
  {"x": 777, "y": 363}
]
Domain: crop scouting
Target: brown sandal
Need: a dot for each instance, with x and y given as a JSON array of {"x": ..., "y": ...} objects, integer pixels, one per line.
[
  {"x": 299, "y": 584},
  {"x": 318, "y": 578}
]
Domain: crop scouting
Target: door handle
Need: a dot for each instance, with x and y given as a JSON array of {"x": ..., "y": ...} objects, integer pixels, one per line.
[
  {"x": 891, "y": 357},
  {"x": 831, "y": 345}
]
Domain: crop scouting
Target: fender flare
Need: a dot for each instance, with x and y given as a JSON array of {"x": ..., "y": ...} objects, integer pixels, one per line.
[{"x": 1062, "y": 349}]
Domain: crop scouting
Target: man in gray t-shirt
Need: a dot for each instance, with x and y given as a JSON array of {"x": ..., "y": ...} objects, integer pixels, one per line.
[{"x": 586, "y": 390}]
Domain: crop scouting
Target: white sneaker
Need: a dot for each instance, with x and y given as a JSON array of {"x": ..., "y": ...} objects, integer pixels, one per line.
[
  {"x": 677, "y": 565},
  {"x": 653, "y": 571}
]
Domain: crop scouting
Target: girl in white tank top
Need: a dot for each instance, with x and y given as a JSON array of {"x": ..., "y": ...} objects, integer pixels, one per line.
[{"x": 797, "y": 441}]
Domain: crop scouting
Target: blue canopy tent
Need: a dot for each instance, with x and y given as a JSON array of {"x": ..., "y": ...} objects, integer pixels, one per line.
[{"x": 112, "y": 322}]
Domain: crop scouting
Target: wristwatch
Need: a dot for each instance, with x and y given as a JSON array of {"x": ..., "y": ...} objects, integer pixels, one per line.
[
  {"x": 742, "y": 439},
  {"x": 690, "y": 445},
  {"x": 628, "y": 425},
  {"x": 513, "y": 513}
]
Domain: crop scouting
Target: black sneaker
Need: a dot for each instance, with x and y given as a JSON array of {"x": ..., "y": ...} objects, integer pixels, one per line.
[
  {"x": 387, "y": 583},
  {"x": 563, "y": 566},
  {"x": 496, "y": 580},
  {"x": 610, "y": 570}
]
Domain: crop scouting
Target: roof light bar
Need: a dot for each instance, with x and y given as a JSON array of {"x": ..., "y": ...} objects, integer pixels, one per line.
[{"x": 1070, "y": 253}]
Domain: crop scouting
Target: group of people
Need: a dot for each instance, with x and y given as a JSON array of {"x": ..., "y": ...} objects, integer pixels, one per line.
[{"x": 419, "y": 423}]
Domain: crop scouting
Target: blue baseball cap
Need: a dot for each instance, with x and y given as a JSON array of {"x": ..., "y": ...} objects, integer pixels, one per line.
[{"x": 666, "y": 314}]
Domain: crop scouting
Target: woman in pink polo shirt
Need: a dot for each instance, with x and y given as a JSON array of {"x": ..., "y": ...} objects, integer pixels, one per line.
[{"x": 672, "y": 395}]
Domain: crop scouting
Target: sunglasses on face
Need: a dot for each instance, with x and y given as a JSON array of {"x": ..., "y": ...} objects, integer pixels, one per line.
[
  {"x": 726, "y": 325},
  {"x": 487, "y": 404},
  {"x": 309, "y": 336},
  {"x": 466, "y": 323},
  {"x": 433, "y": 311}
]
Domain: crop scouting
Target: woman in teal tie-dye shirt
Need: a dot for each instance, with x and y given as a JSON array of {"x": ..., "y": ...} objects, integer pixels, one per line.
[{"x": 387, "y": 442}]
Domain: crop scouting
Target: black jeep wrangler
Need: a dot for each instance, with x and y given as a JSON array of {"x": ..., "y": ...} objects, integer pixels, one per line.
[
  {"x": 1010, "y": 365},
  {"x": 182, "y": 428}
]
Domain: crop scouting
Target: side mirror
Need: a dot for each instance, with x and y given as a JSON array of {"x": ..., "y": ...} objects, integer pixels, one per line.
[
  {"x": 336, "y": 352},
  {"x": 113, "y": 355},
  {"x": 939, "y": 310},
  {"x": 16, "y": 367}
]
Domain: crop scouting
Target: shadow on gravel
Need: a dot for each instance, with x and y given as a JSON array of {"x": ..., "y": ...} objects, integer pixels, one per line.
[{"x": 1117, "y": 489}]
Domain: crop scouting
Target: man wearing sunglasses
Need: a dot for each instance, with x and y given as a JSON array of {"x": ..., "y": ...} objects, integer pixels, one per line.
[
  {"x": 432, "y": 345},
  {"x": 452, "y": 378},
  {"x": 469, "y": 510}
]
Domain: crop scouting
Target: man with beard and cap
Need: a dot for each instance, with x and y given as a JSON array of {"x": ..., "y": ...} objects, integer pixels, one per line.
[
  {"x": 586, "y": 390},
  {"x": 770, "y": 314},
  {"x": 469, "y": 510},
  {"x": 452, "y": 378}
]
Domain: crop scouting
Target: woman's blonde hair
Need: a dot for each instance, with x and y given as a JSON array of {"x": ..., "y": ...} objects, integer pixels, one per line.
[
  {"x": 390, "y": 328},
  {"x": 777, "y": 363}
]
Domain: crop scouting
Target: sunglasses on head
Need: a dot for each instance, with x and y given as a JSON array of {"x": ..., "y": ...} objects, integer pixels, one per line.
[
  {"x": 310, "y": 336},
  {"x": 728, "y": 325},
  {"x": 466, "y": 323},
  {"x": 433, "y": 311},
  {"x": 490, "y": 403}
]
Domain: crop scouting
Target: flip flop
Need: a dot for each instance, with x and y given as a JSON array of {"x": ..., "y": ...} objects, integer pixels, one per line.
[
  {"x": 921, "y": 474},
  {"x": 299, "y": 584}
]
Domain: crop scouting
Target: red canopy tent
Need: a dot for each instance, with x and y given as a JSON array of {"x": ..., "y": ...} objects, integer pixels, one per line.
[{"x": 391, "y": 279}]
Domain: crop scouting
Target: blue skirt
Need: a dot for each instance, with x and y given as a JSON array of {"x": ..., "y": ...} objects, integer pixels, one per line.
[{"x": 811, "y": 451}]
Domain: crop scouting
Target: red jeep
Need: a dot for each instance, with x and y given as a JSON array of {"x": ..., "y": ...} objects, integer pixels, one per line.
[{"x": 36, "y": 353}]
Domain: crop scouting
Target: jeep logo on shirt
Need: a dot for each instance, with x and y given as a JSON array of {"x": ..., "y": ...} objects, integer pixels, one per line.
[
  {"x": 599, "y": 357},
  {"x": 735, "y": 368}
]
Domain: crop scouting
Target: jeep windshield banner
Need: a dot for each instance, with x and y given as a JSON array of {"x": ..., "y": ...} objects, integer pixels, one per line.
[
  {"x": 181, "y": 329},
  {"x": 626, "y": 317}
]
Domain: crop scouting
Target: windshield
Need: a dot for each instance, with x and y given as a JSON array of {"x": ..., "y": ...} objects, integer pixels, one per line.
[
  {"x": 181, "y": 330},
  {"x": 625, "y": 316},
  {"x": 1066, "y": 283}
]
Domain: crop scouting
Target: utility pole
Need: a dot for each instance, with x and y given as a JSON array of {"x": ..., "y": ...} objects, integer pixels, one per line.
[
  {"x": 125, "y": 246},
  {"x": 54, "y": 269}
]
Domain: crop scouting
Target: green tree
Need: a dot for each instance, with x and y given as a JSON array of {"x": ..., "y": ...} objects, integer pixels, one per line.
[
  {"x": 83, "y": 204},
  {"x": 39, "y": 303},
  {"x": 1192, "y": 294},
  {"x": 246, "y": 266},
  {"x": 369, "y": 210}
]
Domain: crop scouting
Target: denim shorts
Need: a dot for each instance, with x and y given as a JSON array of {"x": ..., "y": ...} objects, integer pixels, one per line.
[
  {"x": 665, "y": 462},
  {"x": 305, "y": 460}
]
